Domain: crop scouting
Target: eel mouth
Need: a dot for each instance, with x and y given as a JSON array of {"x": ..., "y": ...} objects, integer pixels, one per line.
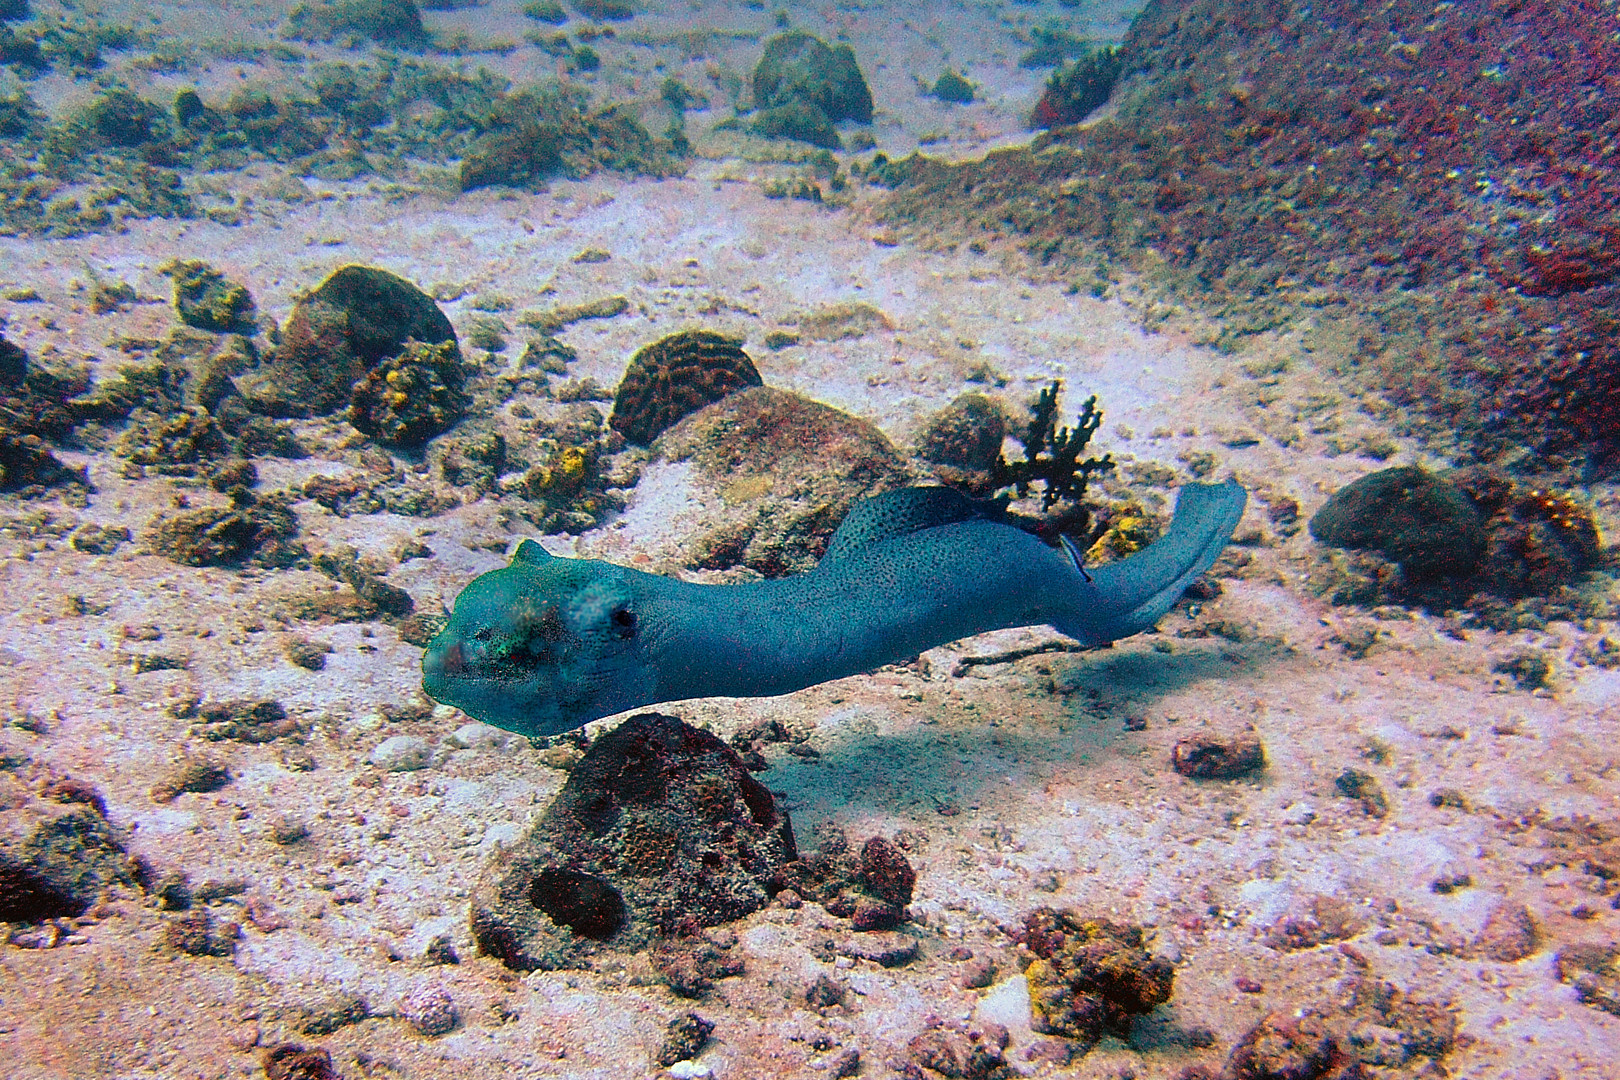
[{"x": 444, "y": 663}]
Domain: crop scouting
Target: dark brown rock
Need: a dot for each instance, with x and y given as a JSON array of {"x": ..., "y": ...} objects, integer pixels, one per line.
[
  {"x": 1422, "y": 521},
  {"x": 659, "y": 830},
  {"x": 351, "y": 323},
  {"x": 1210, "y": 757}
]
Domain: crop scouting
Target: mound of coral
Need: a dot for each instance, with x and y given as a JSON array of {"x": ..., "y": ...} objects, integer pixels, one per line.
[{"x": 803, "y": 86}]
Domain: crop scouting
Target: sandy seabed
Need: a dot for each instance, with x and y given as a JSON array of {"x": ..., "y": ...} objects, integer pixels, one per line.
[{"x": 1019, "y": 781}]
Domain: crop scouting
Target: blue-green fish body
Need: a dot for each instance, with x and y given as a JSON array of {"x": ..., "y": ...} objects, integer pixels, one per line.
[{"x": 549, "y": 643}]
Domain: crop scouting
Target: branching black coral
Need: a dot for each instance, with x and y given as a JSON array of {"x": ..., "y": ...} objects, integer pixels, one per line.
[
  {"x": 1062, "y": 474},
  {"x": 1052, "y": 459}
]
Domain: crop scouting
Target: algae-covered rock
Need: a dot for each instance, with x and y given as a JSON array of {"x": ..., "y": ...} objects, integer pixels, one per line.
[
  {"x": 1413, "y": 517},
  {"x": 786, "y": 470},
  {"x": 963, "y": 441},
  {"x": 954, "y": 1049},
  {"x": 26, "y": 463},
  {"x": 534, "y": 134},
  {"x": 119, "y": 118},
  {"x": 800, "y": 67},
  {"x": 870, "y": 885},
  {"x": 520, "y": 155},
  {"x": 953, "y": 88},
  {"x": 546, "y": 11},
  {"x": 410, "y": 398},
  {"x": 208, "y": 300},
  {"x": 391, "y": 22},
  {"x": 63, "y": 862},
  {"x": 658, "y": 829},
  {"x": 1089, "y": 976},
  {"x": 605, "y": 10},
  {"x": 356, "y": 319},
  {"x": 1074, "y": 91},
  {"x": 796, "y": 120},
  {"x": 260, "y": 530},
  {"x": 1594, "y": 971}
]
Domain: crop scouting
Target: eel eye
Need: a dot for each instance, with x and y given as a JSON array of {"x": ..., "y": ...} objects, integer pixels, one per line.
[
  {"x": 483, "y": 633},
  {"x": 624, "y": 623}
]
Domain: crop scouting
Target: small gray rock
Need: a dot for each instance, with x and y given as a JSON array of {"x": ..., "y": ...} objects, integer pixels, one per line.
[{"x": 402, "y": 753}]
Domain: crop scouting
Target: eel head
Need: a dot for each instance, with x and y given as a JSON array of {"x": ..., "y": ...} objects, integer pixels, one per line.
[{"x": 542, "y": 646}]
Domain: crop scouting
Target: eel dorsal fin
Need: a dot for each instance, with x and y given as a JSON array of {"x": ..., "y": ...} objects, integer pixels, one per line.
[
  {"x": 908, "y": 510},
  {"x": 531, "y": 554}
]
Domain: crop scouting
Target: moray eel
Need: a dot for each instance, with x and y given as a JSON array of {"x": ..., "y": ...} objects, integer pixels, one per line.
[{"x": 549, "y": 643}]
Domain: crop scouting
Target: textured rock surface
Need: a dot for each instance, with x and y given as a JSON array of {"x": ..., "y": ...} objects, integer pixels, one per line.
[
  {"x": 57, "y": 853},
  {"x": 1417, "y": 519},
  {"x": 799, "y": 68},
  {"x": 357, "y": 318},
  {"x": 1089, "y": 976},
  {"x": 786, "y": 469},
  {"x": 675, "y": 377},
  {"x": 658, "y": 829}
]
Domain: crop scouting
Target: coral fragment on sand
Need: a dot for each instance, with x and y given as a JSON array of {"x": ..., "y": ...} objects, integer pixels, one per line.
[
  {"x": 208, "y": 300},
  {"x": 261, "y": 530}
]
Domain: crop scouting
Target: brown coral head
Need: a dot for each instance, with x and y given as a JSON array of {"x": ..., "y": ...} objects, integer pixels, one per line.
[{"x": 675, "y": 377}]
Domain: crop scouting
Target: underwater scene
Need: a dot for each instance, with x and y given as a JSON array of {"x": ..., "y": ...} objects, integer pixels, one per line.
[{"x": 961, "y": 539}]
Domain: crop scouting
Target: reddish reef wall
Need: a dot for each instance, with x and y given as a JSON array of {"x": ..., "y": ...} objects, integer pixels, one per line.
[{"x": 1443, "y": 174}]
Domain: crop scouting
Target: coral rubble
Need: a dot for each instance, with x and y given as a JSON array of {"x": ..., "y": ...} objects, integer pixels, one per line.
[{"x": 208, "y": 300}]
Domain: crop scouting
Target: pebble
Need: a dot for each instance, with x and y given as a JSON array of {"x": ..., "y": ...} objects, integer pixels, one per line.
[
  {"x": 402, "y": 753},
  {"x": 689, "y": 1070},
  {"x": 476, "y": 736},
  {"x": 429, "y": 1010},
  {"x": 978, "y": 973}
]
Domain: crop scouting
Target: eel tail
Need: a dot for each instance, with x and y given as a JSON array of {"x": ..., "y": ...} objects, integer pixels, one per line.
[{"x": 1131, "y": 595}]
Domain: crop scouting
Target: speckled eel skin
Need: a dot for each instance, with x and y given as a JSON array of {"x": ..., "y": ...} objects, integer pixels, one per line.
[{"x": 549, "y": 643}]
